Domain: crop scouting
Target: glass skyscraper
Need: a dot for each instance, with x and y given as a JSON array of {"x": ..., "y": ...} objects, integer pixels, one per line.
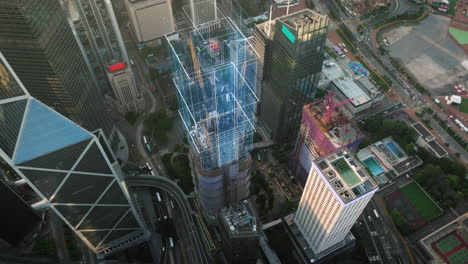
[
  {"x": 38, "y": 43},
  {"x": 71, "y": 170},
  {"x": 292, "y": 64}
]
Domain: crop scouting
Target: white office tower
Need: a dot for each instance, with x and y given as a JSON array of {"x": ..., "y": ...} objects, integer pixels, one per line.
[
  {"x": 337, "y": 191},
  {"x": 150, "y": 19}
]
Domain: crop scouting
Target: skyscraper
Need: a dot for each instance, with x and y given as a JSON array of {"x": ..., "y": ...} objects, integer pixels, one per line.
[
  {"x": 39, "y": 44},
  {"x": 292, "y": 48},
  {"x": 150, "y": 19},
  {"x": 101, "y": 42},
  {"x": 337, "y": 191},
  {"x": 200, "y": 11},
  {"x": 319, "y": 136},
  {"x": 72, "y": 170},
  {"x": 214, "y": 73}
]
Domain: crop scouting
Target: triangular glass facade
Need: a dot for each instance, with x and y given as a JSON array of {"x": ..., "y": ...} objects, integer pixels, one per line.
[{"x": 44, "y": 131}]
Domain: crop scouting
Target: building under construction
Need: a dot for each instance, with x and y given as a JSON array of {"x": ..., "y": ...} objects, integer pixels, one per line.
[
  {"x": 324, "y": 129},
  {"x": 215, "y": 76}
]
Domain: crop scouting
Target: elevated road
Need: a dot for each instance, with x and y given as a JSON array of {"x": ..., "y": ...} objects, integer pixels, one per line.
[{"x": 197, "y": 251}]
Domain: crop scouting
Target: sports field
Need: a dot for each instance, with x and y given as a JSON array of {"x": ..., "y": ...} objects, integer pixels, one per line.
[
  {"x": 452, "y": 248},
  {"x": 459, "y": 257},
  {"x": 463, "y": 106},
  {"x": 448, "y": 243},
  {"x": 419, "y": 199}
]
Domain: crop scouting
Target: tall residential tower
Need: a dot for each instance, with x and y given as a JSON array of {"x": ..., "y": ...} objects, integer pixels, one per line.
[
  {"x": 71, "y": 170},
  {"x": 101, "y": 42},
  {"x": 337, "y": 191},
  {"x": 214, "y": 73},
  {"x": 40, "y": 46},
  {"x": 292, "y": 49}
]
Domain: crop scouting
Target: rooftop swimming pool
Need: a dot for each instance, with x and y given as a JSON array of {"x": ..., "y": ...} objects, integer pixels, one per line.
[
  {"x": 347, "y": 174},
  {"x": 395, "y": 149},
  {"x": 374, "y": 167}
]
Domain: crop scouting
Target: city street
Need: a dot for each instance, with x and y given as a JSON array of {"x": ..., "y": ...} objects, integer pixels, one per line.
[
  {"x": 194, "y": 246},
  {"x": 381, "y": 242}
]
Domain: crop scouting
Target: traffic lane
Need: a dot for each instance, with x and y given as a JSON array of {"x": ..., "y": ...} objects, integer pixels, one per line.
[
  {"x": 180, "y": 198},
  {"x": 390, "y": 230},
  {"x": 186, "y": 212},
  {"x": 383, "y": 235},
  {"x": 372, "y": 230}
]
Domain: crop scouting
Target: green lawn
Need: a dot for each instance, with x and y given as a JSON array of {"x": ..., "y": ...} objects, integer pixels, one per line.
[
  {"x": 421, "y": 201},
  {"x": 460, "y": 35},
  {"x": 463, "y": 106}
]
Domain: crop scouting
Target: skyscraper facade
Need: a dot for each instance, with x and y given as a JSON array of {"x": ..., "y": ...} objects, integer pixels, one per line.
[
  {"x": 201, "y": 11},
  {"x": 99, "y": 38},
  {"x": 295, "y": 56},
  {"x": 150, "y": 19},
  {"x": 72, "y": 170},
  {"x": 215, "y": 75},
  {"x": 318, "y": 137},
  {"x": 39, "y": 44},
  {"x": 337, "y": 191}
]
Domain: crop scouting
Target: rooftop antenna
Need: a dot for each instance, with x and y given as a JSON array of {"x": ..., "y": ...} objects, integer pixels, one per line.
[{"x": 269, "y": 20}]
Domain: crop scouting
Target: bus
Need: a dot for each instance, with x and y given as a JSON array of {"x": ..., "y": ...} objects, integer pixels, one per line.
[
  {"x": 144, "y": 140},
  {"x": 171, "y": 242},
  {"x": 376, "y": 214},
  {"x": 159, "y": 197},
  {"x": 148, "y": 166},
  {"x": 172, "y": 205}
]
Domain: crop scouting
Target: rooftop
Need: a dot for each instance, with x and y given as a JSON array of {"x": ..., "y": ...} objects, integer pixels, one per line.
[
  {"x": 334, "y": 133},
  {"x": 345, "y": 174},
  {"x": 351, "y": 89},
  {"x": 427, "y": 136},
  {"x": 301, "y": 18},
  {"x": 240, "y": 218},
  {"x": 422, "y": 131},
  {"x": 436, "y": 147}
]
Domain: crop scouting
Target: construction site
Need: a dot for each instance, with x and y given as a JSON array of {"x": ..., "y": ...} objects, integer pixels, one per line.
[
  {"x": 215, "y": 76},
  {"x": 324, "y": 129}
]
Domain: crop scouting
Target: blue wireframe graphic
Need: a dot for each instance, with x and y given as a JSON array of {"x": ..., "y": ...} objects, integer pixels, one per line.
[{"x": 215, "y": 76}]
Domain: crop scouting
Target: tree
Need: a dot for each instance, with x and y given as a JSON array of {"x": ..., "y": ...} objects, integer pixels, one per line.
[
  {"x": 410, "y": 149},
  {"x": 257, "y": 137},
  {"x": 158, "y": 124},
  {"x": 260, "y": 201},
  {"x": 400, "y": 222}
]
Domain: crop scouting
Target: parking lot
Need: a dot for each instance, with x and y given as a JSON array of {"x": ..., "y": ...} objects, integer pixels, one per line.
[{"x": 428, "y": 53}]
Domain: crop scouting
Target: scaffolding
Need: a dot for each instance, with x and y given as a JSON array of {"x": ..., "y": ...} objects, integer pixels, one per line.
[{"x": 215, "y": 76}]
